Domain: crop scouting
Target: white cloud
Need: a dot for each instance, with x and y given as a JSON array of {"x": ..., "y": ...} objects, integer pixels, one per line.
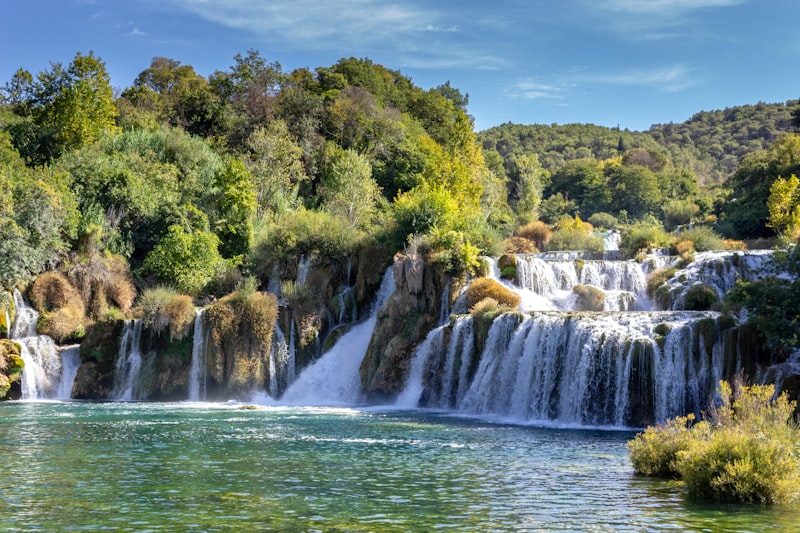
[{"x": 136, "y": 32}]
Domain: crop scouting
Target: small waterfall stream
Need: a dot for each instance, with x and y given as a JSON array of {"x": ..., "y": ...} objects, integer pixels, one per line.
[
  {"x": 129, "y": 362},
  {"x": 198, "y": 370}
]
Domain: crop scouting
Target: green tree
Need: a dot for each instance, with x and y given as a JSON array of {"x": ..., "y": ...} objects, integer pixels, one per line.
[
  {"x": 635, "y": 189},
  {"x": 187, "y": 260},
  {"x": 745, "y": 213},
  {"x": 784, "y": 207},
  {"x": 236, "y": 204},
  {"x": 530, "y": 180},
  {"x": 584, "y": 182},
  {"x": 274, "y": 161},
  {"x": 177, "y": 95},
  {"x": 349, "y": 191},
  {"x": 64, "y": 107}
]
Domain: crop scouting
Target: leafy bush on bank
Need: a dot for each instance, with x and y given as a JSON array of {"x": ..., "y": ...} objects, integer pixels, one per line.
[{"x": 746, "y": 449}]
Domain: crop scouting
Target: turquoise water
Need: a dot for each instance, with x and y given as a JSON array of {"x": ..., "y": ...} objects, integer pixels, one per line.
[{"x": 203, "y": 467}]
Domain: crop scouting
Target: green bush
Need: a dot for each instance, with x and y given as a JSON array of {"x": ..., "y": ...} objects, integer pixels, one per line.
[
  {"x": 746, "y": 450},
  {"x": 703, "y": 238},
  {"x": 603, "y": 221},
  {"x": 654, "y": 451},
  {"x": 657, "y": 278},
  {"x": 589, "y": 298},
  {"x": 643, "y": 237},
  {"x": 188, "y": 260},
  {"x": 700, "y": 297}
]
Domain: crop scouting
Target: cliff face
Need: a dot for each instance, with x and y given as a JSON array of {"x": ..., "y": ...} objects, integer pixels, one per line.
[{"x": 411, "y": 312}]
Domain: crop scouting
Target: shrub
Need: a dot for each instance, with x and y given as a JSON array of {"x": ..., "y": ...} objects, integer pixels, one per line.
[
  {"x": 643, "y": 237},
  {"x": 703, "y": 238},
  {"x": 52, "y": 291},
  {"x": 731, "y": 244},
  {"x": 519, "y": 245},
  {"x": 487, "y": 306},
  {"x": 657, "y": 278},
  {"x": 537, "y": 231},
  {"x": 573, "y": 234},
  {"x": 63, "y": 315},
  {"x": 603, "y": 220},
  {"x": 163, "y": 308},
  {"x": 488, "y": 288},
  {"x": 679, "y": 212},
  {"x": 746, "y": 450},
  {"x": 700, "y": 297},
  {"x": 654, "y": 451},
  {"x": 508, "y": 267},
  {"x": 188, "y": 260},
  {"x": 589, "y": 298}
]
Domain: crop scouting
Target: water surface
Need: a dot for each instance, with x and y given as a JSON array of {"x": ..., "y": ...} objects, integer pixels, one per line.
[{"x": 204, "y": 467}]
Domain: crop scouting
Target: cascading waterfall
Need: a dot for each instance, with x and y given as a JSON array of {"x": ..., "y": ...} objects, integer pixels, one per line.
[
  {"x": 596, "y": 369},
  {"x": 129, "y": 362},
  {"x": 42, "y": 375},
  {"x": 333, "y": 379},
  {"x": 198, "y": 369},
  {"x": 278, "y": 362},
  {"x": 719, "y": 270}
]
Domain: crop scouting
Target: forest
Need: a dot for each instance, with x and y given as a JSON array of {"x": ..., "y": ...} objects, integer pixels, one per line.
[{"x": 199, "y": 186}]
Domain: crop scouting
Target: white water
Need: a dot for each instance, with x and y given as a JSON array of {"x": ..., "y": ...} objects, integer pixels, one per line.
[
  {"x": 586, "y": 369},
  {"x": 198, "y": 370},
  {"x": 129, "y": 362},
  {"x": 719, "y": 270},
  {"x": 333, "y": 379},
  {"x": 70, "y": 362},
  {"x": 44, "y": 376}
]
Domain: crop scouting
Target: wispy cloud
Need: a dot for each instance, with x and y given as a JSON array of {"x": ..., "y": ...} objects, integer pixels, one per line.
[
  {"x": 136, "y": 32},
  {"x": 410, "y": 34},
  {"x": 316, "y": 23},
  {"x": 653, "y": 20},
  {"x": 667, "y": 79},
  {"x": 664, "y": 6},
  {"x": 670, "y": 79},
  {"x": 533, "y": 90}
]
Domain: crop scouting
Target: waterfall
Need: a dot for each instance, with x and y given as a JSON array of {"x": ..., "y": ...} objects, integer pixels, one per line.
[
  {"x": 129, "y": 362},
  {"x": 42, "y": 374},
  {"x": 303, "y": 267},
  {"x": 278, "y": 362},
  {"x": 410, "y": 396},
  {"x": 198, "y": 370},
  {"x": 334, "y": 379},
  {"x": 70, "y": 362},
  {"x": 719, "y": 270},
  {"x": 25, "y": 323},
  {"x": 595, "y": 369},
  {"x": 444, "y": 305}
]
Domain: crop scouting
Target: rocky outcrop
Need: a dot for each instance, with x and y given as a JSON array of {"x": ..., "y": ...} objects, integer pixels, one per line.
[
  {"x": 411, "y": 312},
  {"x": 99, "y": 349},
  {"x": 11, "y": 365}
]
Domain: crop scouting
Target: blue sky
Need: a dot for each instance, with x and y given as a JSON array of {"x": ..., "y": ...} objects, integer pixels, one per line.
[{"x": 630, "y": 63}]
